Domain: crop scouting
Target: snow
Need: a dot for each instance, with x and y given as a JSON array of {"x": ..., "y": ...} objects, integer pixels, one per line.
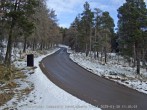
[
  {"x": 117, "y": 71},
  {"x": 64, "y": 46},
  {"x": 45, "y": 94}
]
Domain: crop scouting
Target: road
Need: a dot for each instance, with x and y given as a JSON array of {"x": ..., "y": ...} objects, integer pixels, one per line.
[{"x": 89, "y": 87}]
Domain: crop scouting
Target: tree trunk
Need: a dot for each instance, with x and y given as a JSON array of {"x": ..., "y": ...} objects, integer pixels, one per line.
[
  {"x": 25, "y": 44},
  {"x": 101, "y": 55},
  {"x": 90, "y": 41},
  {"x": 143, "y": 57},
  {"x": 33, "y": 44},
  {"x": 41, "y": 45},
  {"x": 9, "y": 46},
  {"x": 138, "y": 65},
  {"x": 97, "y": 54},
  {"x": 105, "y": 55},
  {"x": 138, "y": 60},
  {"x": 9, "y": 50},
  {"x": 87, "y": 50},
  {"x": 90, "y": 47},
  {"x": 134, "y": 55}
]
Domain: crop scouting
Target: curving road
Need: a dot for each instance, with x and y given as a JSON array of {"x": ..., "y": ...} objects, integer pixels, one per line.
[{"x": 91, "y": 88}]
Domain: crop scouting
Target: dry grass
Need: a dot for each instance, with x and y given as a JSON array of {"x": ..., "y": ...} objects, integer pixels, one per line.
[
  {"x": 7, "y": 74},
  {"x": 10, "y": 85},
  {"x": 7, "y": 92},
  {"x": 7, "y": 85},
  {"x": 26, "y": 91},
  {"x": 4, "y": 73},
  {"x": 5, "y": 97}
]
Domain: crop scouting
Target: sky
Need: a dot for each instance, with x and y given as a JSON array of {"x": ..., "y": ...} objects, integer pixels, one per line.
[{"x": 67, "y": 10}]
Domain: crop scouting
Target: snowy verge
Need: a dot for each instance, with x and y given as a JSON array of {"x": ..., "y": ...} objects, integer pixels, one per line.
[
  {"x": 117, "y": 72},
  {"x": 45, "y": 94},
  {"x": 64, "y": 46}
]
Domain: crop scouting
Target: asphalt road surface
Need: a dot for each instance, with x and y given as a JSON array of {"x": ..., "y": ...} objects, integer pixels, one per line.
[{"x": 91, "y": 88}]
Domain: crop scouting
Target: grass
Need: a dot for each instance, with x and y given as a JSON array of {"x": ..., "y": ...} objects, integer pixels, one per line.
[
  {"x": 7, "y": 74},
  {"x": 5, "y": 97},
  {"x": 7, "y": 84},
  {"x": 26, "y": 91},
  {"x": 7, "y": 92},
  {"x": 4, "y": 73}
]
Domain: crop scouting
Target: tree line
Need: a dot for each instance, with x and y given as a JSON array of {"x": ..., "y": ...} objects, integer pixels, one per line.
[
  {"x": 91, "y": 31},
  {"x": 132, "y": 32},
  {"x": 28, "y": 22},
  {"x": 94, "y": 31}
]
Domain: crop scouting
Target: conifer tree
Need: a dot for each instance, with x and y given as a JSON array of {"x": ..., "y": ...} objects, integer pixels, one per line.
[{"x": 132, "y": 22}]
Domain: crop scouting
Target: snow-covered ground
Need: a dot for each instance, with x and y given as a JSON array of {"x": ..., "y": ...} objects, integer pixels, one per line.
[
  {"x": 45, "y": 95},
  {"x": 119, "y": 72},
  {"x": 61, "y": 45}
]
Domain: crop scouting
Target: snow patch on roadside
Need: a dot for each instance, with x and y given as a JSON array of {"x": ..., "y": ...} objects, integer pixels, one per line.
[
  {"x": 64, "y": 46},
  {"x": 117, "y": 72},
  {"x": 45, "y": 95}
]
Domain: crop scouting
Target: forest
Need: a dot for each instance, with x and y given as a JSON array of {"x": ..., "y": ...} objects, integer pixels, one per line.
[
  {"x": 32, "y": 25},
  {"x": 29, "y": 24},
  {"x": 94, "y": 63},
  {"x": 93, "y": 30}
]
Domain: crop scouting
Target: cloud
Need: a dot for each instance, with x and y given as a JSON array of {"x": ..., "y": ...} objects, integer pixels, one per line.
[
  {"x": 70, "y": 6},
  {"x": 67, "y": 10},
  {"x": 64, "y": 25},
  {"x": 106, "y": 5},
  {"x": 64, "y": 6},
  {"x": 117, "y": 2}
]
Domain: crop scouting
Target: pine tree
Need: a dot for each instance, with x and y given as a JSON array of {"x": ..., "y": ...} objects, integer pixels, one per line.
[
  {"x": 97, "y": 29},
  {"x": 87, "y": 23},
  {"x": 132, "y": 20},
  {"x": 16, "y": 14},
  {"x": 107, "y": 27}
]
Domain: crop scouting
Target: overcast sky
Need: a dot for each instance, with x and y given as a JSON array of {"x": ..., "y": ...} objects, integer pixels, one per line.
[{"x": 67, "y": 10}]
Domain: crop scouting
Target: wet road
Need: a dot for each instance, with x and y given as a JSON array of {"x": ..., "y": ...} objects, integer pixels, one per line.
[{"x": 91, "y": 88}]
